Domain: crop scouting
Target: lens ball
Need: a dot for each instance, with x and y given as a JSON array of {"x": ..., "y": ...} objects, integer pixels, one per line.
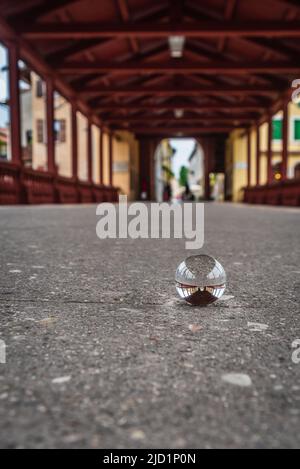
[{"x": 200, "y": 280}]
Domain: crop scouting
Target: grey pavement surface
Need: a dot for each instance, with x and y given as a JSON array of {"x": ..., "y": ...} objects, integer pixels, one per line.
[{"x": 102, "y": 354}]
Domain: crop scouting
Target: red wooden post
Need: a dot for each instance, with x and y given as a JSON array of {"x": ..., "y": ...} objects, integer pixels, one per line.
[
  {"x": 90, "y": 152},
  {"x": 269, "y": 151},
  {"x": 13, "y": 55},
  {"x": 285, "y": 139},
  {"x": 207, "y": 159},
  {"x": 74, "y": 140},
  {"x": 249, "y": 157},
  {"x": 110, "y": 158},
  {"x": 50, "y": 125},
  {"x": 101, "y": 156},
  {"x": 257, "y": 155},
  {"x": 207, "y": 181},
  {"x": 144, "y": 168}
]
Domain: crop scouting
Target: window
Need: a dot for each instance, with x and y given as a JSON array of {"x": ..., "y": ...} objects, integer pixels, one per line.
[
  {"x": 60, "y": 130},
  {"x": 40, "y": 86},
  {"x": 277, "y": 129},
  {"x": 40, "y": 130},
  {"x": 5, "y": 137},
  {"x": 29, "y": 137},
  {"x": 32, "y": 117},
  {"x": 296, "y": 129},
  {"x": 3, "y": 145}
]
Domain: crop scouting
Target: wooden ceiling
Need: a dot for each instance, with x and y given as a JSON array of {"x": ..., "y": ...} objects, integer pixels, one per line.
[{"x": 239, "y": 57}]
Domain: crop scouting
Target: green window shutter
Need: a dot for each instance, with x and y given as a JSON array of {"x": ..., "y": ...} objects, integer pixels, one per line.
[
  {"x": 277, "y": 129},
  {"x": 297, "y": 129}
]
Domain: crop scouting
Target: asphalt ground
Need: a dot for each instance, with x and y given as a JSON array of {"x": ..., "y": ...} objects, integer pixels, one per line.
[{"x": 101, "y": 353}]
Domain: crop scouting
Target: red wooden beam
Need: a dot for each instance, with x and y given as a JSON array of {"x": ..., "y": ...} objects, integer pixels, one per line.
[
  {"x": 185, "y": 120},
  {"x": 181, "y": 130},
  {"x": 176, "y": 11},
  {"x": 201, "y": 29},
  {"x": 40, "y": 10},
  {"x": 272, "y": 45},
  {"x": 123, "y": 7},
  {"x": 200, "y": 12},
  {"x": 154, "y": 13},
  {"x": 293, "y": 4},
  {"x": 243, "y": 107},
  {"x": 230, "y": 7},
  {"x": 171, "y": 67},
  {"x": 180, "y": 91}
]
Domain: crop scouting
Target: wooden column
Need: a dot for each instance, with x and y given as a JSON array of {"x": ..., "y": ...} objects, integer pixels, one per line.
[
  {"x": 144, "y": 168},
  {"x": 269, "y": 150},
  {"x": 101, "y": 156},
  {"x": 110, "y": 158},
  {"x": 90, "y": 152},
  {"x": 14, "y": 101},
  {"x": 74, "y": 140},
  {"x": 257, "y": 154},
  {"x": 285, "y": 139},
  {"x": 147, "y": 147},
  {"x": 249, "y": 158},
  {"x": 50, "y": 125},
  {"x": 207, "y": 161}
]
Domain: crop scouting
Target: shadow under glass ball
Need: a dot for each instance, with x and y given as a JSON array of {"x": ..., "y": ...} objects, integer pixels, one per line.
[{"x": 200, "y": 280}]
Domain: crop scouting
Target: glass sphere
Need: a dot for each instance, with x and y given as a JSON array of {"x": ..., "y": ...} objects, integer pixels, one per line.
[{"x": 200, "y": 280}]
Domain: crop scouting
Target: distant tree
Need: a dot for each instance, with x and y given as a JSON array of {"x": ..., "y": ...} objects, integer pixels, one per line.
[{"x": 183, "y": 176}]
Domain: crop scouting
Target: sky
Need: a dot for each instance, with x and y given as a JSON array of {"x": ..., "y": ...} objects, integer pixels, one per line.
[
  {"x": 3, "y": 88},
  {"x": 184, "y": 148}
]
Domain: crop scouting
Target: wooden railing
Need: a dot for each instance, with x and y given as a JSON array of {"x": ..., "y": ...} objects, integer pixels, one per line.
[
  {"x": 67, "y": 190},
  {"x": 286, "y": 193},
  {"x": 27, "y": 186},
  {"x": 37, "y": 187},
  {"x": 85, "y": 192},
  {"x": 9, "y": 183}
]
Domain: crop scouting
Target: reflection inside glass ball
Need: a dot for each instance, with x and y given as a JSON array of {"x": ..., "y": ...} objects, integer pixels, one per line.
[{"x": 200, "y": 280}]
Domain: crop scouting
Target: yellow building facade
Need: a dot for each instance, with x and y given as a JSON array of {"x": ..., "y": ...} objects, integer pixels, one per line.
[
  {"x": 126, "y": 164},
  {"x": 237, "y": 154},
  {"x": 125, "y": 146}
]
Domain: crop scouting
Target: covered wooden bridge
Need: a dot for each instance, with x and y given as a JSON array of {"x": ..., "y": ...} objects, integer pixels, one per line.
[{"x": 151, "y": 69}]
